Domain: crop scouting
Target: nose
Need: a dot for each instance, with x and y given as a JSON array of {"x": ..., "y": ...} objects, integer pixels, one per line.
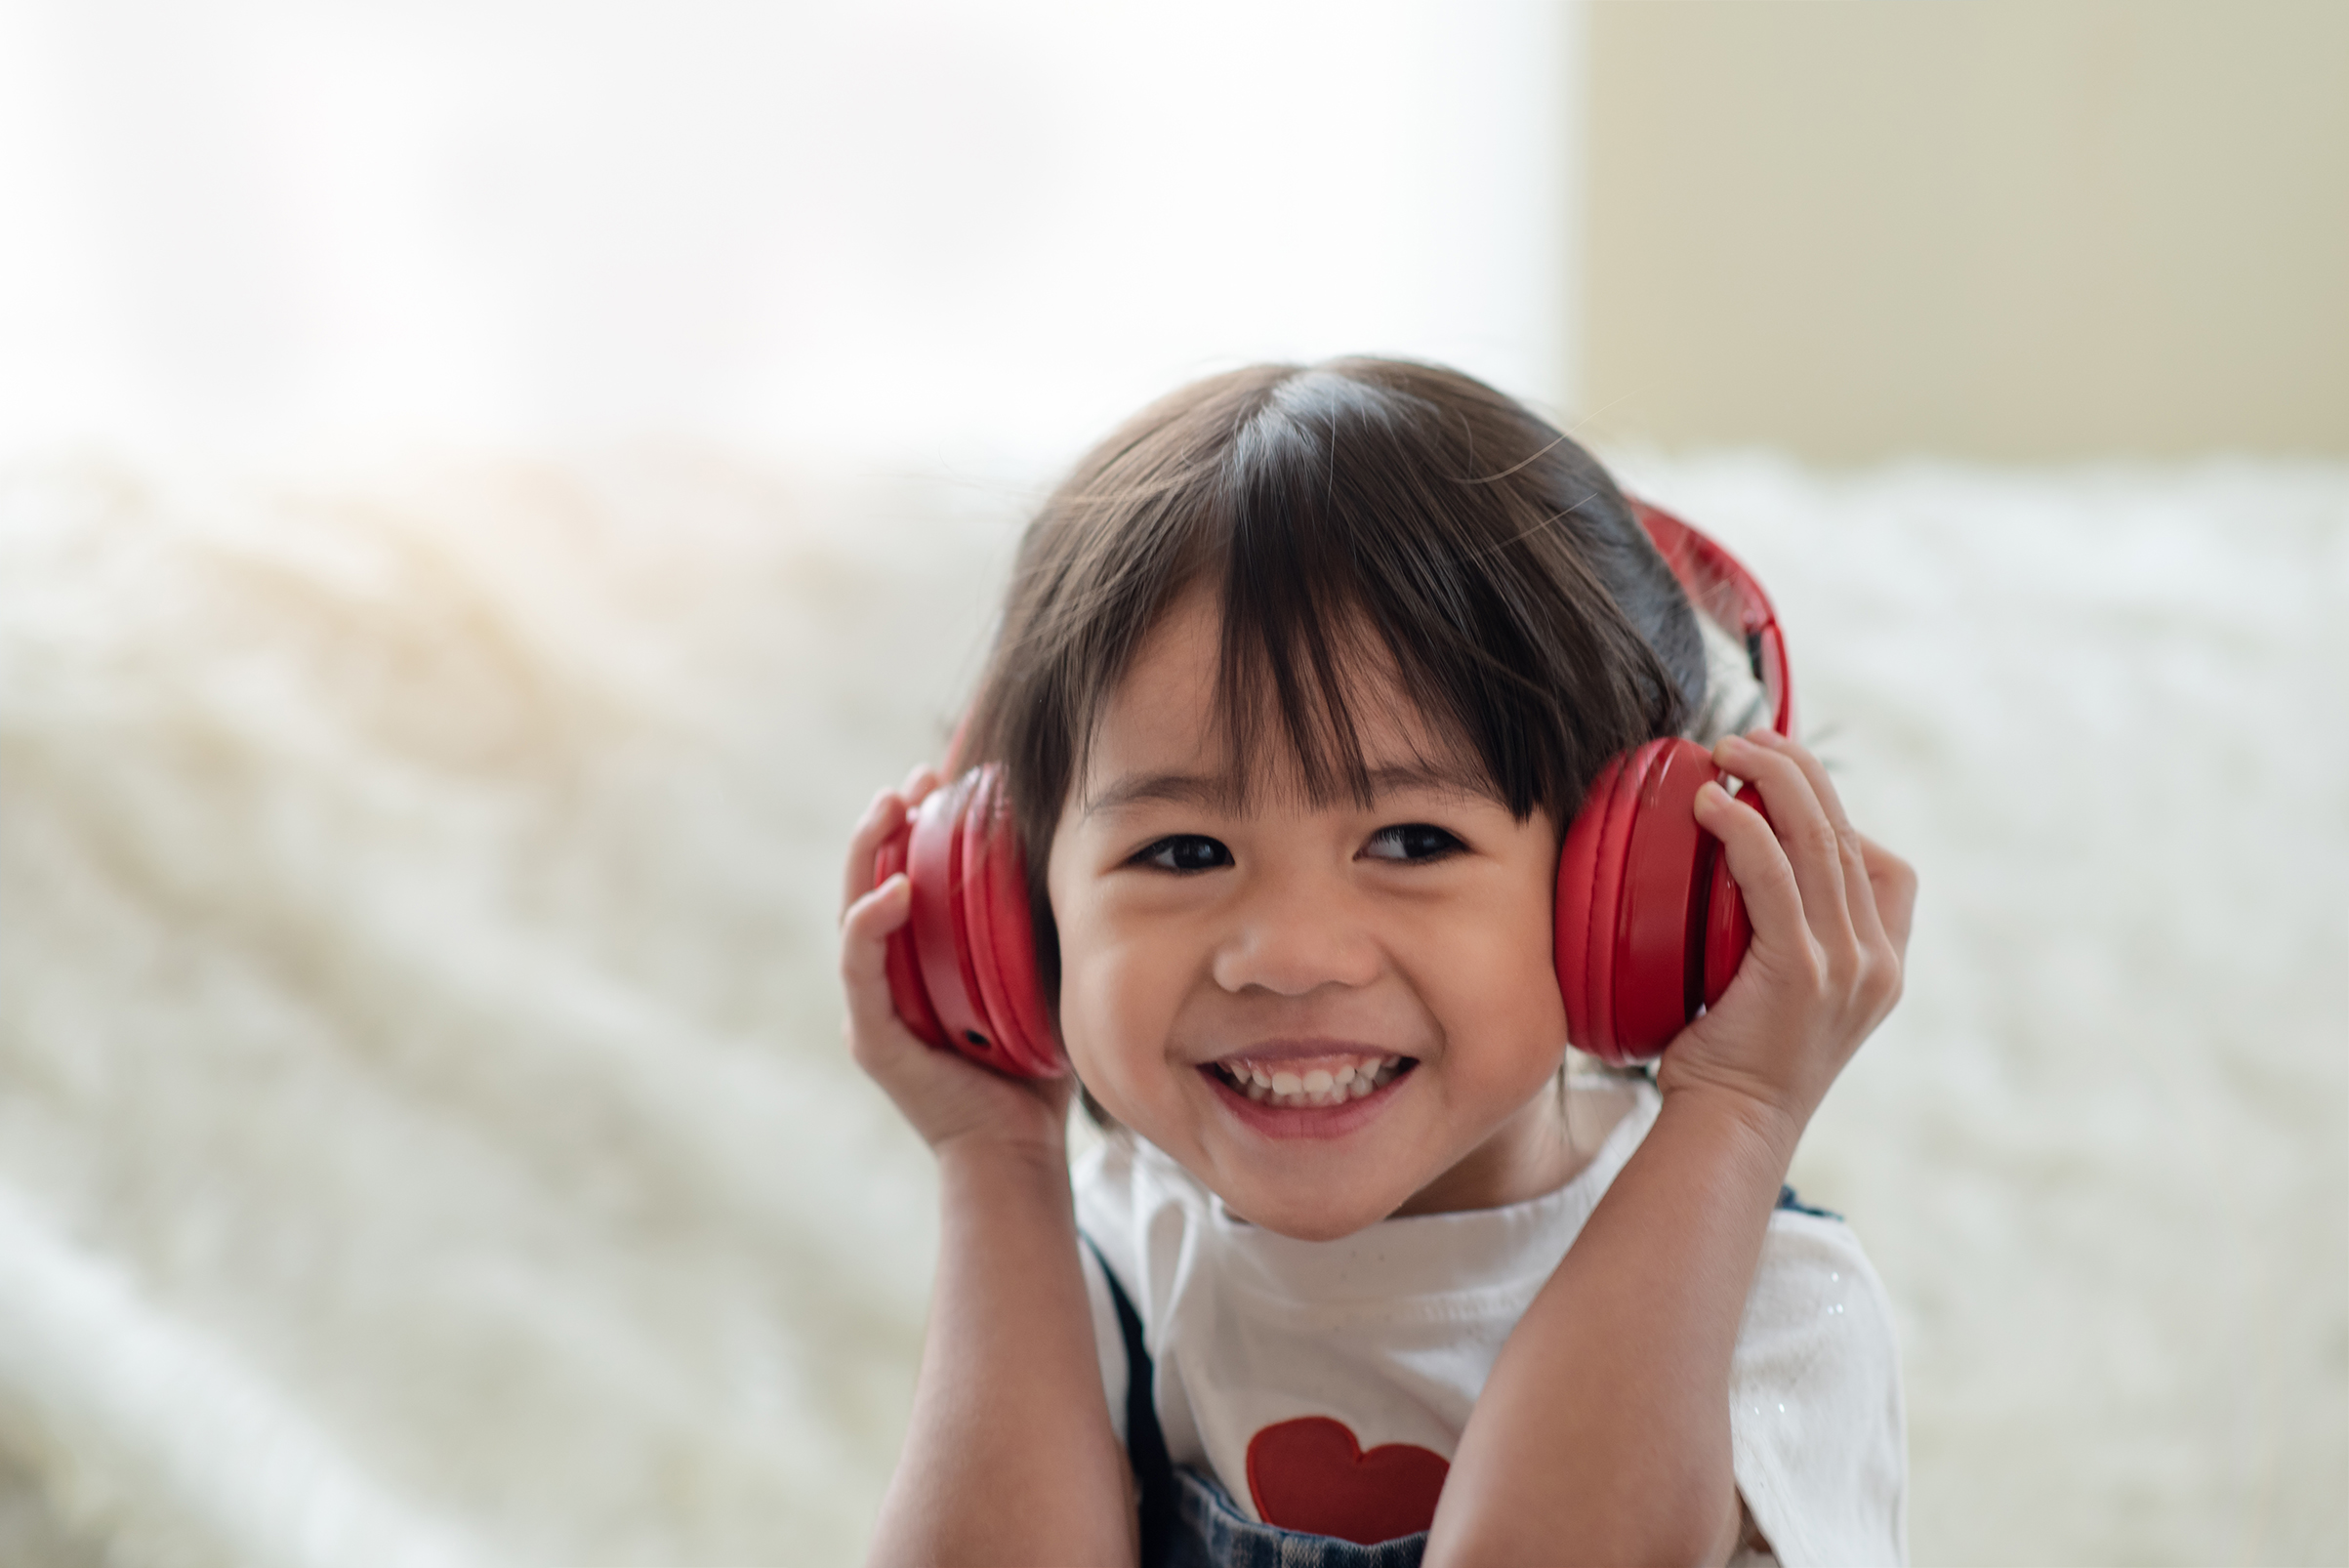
[{"x": 1295, "y": 934}]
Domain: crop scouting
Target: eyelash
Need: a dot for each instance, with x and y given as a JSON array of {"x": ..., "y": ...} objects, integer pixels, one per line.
[
  {"x": 1402, "y": 834},
  {"x": 1167, "y": 846},
  {"x": 1434, "y": 842}
]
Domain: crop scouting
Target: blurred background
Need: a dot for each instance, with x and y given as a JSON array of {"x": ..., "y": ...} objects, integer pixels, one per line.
[{"x": 487, "y": 491}]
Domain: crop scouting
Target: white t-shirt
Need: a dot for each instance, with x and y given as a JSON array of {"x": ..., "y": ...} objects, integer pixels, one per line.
[{"x": 1259, "y": 1342}]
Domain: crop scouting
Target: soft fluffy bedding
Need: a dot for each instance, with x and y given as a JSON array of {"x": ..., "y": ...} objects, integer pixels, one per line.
[{"x": 424, "y": 1135}]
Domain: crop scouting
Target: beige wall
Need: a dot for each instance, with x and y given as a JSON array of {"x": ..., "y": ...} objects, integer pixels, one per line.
[{"x": 2006, "y": 230}]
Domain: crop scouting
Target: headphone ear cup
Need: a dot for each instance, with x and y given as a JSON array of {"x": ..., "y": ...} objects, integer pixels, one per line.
[
  {"x": 1001, "y": 936},
  {"x": 941, "y": 951},
  {"x": 1590, "y": 894},
  {"x": 1660, "y": 922},
  {"x": 1606, "y": 910},
  {"x": 1570, "y": 923},
  {"x": 1649, "y": 925},
  {"x": 986, "y": 1044},
  {"x": 898, "y": 962},
  {"x": 963, "y": 968}
]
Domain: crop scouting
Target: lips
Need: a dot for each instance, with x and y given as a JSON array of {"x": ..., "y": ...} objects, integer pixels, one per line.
[
  {"x": 1308, "y": 1073},
  {"x": 1326, "y": 1079},
  {"x": 1332, "y": 1113}
]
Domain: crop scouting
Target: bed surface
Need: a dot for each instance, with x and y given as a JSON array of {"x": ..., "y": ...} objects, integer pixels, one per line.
[{"x": 424, "y": 1135}]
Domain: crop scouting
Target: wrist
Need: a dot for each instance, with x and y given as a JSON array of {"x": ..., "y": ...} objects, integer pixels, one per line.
[
  {"x": 993, "y": 1159},
  {"x": 957, "y": 1106},
  {"x": 1004, "y": 1207},
  {"x": 1758, "y": 1128}
]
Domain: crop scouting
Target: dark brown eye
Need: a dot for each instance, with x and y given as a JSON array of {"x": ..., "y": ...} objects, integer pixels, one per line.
[
  {"x": 1411, "y": 841},
  {"x": 1185, "y": 851}
]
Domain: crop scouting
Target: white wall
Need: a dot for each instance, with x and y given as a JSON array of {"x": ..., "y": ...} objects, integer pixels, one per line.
[{"x": 901, "y": 230}]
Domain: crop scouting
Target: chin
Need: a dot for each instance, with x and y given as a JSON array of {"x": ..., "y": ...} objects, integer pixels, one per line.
[{"x": 1310, "y": 1222}]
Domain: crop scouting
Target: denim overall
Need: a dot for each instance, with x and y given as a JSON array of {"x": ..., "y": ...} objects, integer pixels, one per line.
[{"x": 1187, "y": 1518}]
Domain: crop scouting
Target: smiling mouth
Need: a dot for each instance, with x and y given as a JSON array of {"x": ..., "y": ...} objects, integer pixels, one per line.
[{"x": 1302, "y": 1085}]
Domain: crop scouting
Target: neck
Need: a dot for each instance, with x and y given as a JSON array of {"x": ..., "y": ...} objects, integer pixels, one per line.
[{"x": 1545, "y": 1145}]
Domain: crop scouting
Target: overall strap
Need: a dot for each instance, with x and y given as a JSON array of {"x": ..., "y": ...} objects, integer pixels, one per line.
[
  {"x": 1792, "y": 1203},
  {"x": 1145, "y": 1444}
]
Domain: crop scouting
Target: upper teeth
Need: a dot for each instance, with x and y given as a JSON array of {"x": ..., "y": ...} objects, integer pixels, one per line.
[{"x": 1316, "y": 1086}]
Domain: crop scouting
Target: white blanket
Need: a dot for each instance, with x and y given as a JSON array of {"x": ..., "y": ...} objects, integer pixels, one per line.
[{"x": 424, "y": 1136}]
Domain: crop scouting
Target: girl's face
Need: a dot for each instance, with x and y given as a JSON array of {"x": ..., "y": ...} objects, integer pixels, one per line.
[{"x": 1328, "y": 1015}]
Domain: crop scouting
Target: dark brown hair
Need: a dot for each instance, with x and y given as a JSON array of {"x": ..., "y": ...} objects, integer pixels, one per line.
[{"x": 1498, "y": 567}]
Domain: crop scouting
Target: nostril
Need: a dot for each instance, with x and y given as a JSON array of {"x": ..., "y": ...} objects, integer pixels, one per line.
[
  {"x": 1294, "y": 963},
  {"x": 976, "y": 1039}
]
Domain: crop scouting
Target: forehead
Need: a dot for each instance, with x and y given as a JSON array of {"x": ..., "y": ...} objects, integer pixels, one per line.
[{"x": 1166, "y": 729}]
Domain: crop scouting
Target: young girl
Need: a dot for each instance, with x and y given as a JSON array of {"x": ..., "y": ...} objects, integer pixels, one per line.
[{"x": 1301, "y": 678}]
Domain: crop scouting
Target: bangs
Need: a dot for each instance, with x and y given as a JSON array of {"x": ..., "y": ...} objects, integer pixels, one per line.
[
  {"x": 1361, "y": 560},
  {"x": 1370, "y": 531},
  {"x": 1289, "y": 726}
]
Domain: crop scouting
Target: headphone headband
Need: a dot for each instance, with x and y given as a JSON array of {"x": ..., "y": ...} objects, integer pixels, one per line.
[{"x": 1718, "y": 584}]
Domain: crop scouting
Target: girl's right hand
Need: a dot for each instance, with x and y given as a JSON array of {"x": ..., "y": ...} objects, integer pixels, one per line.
[
  {"x": 946, "y": 1096},
  {"x": 1830, "y": 910}
]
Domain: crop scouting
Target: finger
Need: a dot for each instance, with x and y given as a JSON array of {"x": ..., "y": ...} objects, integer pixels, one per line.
[
  {"x": 1829, "y": 800},
  {"x": 883, "y": 817},
  {"x": 1859, "y": 892},
  {"x": 864, "y": 953},
  {"x": 919, "y": 782},
  {"x": 1765, "y": 878},
  {"x": 1812, "y": 847},
  {"x": 1895, "y": 881}
]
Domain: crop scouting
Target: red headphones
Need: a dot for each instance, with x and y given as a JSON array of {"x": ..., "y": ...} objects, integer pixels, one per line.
[{"x": 1649, "y": 928}]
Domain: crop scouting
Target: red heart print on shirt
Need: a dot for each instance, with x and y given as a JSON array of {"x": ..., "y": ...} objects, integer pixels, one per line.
[{"x": 1311, "y": 1474}]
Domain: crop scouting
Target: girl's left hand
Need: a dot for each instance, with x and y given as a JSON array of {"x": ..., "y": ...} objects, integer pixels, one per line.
[
  {"x": 1830, "y": 912},
  {"x": 948, "y": 1098}
]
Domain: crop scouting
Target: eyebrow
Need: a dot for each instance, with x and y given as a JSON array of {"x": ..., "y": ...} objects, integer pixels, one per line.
[{"x": 1216, "y": 790}]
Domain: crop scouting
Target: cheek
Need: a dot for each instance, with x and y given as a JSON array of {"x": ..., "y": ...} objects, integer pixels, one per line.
[
  {"x": 1498, "y": 987},
  {"x": 1118, "y": 1025},
  {"x": 1117, "y": 997}
]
